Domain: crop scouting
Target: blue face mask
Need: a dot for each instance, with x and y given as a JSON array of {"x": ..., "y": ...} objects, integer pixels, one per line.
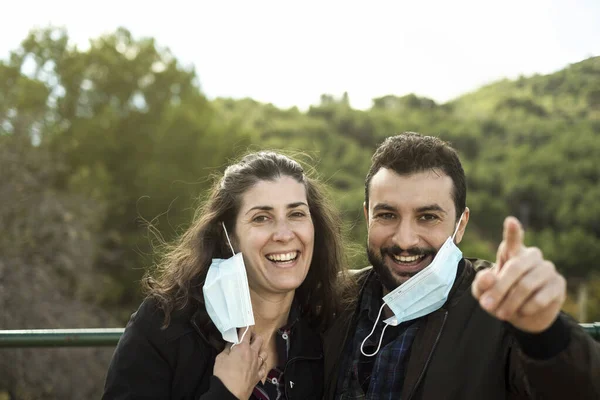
[
  {"x": 227, "y": 296},
  {"x": 423, "y": 293}
]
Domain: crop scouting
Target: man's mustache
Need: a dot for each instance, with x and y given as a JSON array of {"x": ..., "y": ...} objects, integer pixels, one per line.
[{"x": 414, "y": 251}]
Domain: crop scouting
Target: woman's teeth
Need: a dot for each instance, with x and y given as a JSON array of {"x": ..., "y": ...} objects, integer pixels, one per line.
[
  {"x": 283, "y": 257},
  {"x": 407, "y": 259}
]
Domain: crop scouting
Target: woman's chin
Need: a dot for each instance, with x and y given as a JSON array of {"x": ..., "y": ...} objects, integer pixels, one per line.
[{"x": 283, "y": 286}]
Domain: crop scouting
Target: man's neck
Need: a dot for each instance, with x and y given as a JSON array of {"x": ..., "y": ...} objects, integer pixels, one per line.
[{"x": 387, "y": 312}]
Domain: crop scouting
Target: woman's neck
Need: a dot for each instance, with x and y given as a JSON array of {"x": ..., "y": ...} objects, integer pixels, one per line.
[{"x": 270, "y": 312}]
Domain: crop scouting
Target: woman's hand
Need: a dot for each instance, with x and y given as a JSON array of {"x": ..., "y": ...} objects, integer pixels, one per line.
[{"x": 241, "y": 367}]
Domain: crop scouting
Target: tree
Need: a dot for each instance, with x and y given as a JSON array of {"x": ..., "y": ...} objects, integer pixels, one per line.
[{"x": 131, "y": 124}]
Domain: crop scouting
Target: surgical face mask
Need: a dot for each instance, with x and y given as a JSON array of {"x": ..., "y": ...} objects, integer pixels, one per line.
[
  {"x": 227, "y": 296},
  {"x": 423, "y": 293}
]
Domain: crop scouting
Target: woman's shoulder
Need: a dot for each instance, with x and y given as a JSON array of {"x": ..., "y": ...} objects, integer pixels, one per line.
[{"x": 149, "y": 319}]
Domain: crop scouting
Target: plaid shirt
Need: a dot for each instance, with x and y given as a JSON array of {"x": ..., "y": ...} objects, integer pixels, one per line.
[
  {"x": 274, "y": 386},
  {"x": 380, "y": 376}
]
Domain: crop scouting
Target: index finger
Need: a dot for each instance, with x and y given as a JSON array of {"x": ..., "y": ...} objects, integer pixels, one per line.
[
  {"x": 513, "y": 236},
  {"x": 512, "y": 241}
]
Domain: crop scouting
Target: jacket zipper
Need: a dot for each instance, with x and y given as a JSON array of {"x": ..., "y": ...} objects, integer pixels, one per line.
[
  {"x": 437, "y": 339},
  {"x": 291, "y": 360}
]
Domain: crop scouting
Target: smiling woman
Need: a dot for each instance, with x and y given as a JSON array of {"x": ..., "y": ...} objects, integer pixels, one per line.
[
  {"x": 268, "y": 234},
  {"x": 275, "y": 232}
]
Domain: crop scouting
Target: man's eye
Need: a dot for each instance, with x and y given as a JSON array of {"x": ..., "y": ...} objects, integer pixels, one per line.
[
  {"x": 385, "y": 216},
  {"x": 428, "y": 217}
]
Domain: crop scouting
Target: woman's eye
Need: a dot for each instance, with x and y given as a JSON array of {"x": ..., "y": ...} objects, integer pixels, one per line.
[
  {"x": 298, "y": 214},
  {"x": 260, "y": 218}
]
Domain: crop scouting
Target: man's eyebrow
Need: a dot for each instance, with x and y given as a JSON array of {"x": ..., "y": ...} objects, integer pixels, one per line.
[
  {"x": 383, "y": 207},
  {"x": 431, "y": 207},
  {"x": 269, "y": 208}
]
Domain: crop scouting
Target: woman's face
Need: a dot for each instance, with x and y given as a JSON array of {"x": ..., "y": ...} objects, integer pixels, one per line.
[{"x": 275, "y": 234}]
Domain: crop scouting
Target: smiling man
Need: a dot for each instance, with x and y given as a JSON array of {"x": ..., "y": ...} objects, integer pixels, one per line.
[{"x": 428, "y": 323}]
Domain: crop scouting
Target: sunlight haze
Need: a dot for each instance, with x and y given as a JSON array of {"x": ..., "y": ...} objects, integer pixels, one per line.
[{"x": 289, "y": 53}]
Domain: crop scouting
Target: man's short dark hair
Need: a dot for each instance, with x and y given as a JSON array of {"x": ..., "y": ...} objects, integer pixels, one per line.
[{"x": 411, "y": 152}]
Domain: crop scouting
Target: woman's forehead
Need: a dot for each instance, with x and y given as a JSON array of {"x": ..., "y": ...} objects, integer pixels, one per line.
[{"x": 280, "y": 192}]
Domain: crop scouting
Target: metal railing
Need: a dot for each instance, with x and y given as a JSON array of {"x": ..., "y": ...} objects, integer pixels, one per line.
[
  {"x": 110, "y": 336},
  {"x": 60, "y": 337}
]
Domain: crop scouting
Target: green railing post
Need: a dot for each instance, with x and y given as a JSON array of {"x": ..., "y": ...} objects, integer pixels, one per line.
[{"x": 60, "y": 337}]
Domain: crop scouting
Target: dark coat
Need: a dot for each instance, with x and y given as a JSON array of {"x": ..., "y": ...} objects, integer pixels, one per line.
[
  {"x": 461, "y": 352},
  {"x": 177, "y": 362}
]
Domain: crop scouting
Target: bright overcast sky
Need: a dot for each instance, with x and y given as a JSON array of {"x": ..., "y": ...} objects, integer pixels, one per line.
[{"x": 289, "y": 53}]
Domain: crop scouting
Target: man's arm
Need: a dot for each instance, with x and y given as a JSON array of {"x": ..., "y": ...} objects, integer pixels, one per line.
[
  {"x": 552, "y": 355},
  {"x": 561, "y": 362}
]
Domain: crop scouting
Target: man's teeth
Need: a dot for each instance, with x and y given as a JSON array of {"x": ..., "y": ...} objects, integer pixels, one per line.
[
  {"x": 283, "y": 257},
  {"x": 407, "y": 259}
]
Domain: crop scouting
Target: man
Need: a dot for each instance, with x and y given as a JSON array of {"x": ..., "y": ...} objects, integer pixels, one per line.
[{"x": 462, "y": 328}]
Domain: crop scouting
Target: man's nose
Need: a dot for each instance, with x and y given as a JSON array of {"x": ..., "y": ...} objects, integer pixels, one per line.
[{"x": 406, "y": 236}]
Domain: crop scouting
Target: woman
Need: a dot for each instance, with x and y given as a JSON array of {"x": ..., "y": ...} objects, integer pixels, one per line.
[{"x": 289, "y": 238}]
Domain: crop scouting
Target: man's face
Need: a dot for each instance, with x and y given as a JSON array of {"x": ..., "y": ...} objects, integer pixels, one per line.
[{"x": 409, "y": 217}]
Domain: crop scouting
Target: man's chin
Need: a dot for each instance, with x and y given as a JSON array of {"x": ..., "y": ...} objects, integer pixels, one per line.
[
  {"x": 389, "y": 276},
  {"x": 389, "y": 279},
  {"x": 397, "y": 280},
  {"x": 394, "y": 278},
  {"x": 402, "y": 278}
]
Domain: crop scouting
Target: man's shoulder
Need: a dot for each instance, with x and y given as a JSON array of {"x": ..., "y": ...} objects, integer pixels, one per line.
[
  {"x": 360, "y": 271},
  {"x": 478, "y": 264},
  {"x": 359, "y": 276}
]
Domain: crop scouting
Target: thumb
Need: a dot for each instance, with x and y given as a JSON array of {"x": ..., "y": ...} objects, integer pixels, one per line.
[{"x": 512, "y": 241}]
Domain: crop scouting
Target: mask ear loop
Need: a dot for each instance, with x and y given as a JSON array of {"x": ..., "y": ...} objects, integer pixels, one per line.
[
  {"x": 457, "y": 226},
  {"x": 233, "y": 251},
  {"x": 373, "y": 330},
  {"x": 241, "y": 340},
  {"x": 228, "y": 241}
]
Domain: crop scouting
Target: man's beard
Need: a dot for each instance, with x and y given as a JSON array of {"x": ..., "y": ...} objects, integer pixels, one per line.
[{"x": 389, "y": 279}]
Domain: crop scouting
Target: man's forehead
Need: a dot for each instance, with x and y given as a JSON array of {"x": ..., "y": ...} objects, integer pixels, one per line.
[{"x": 411, "y": 190}]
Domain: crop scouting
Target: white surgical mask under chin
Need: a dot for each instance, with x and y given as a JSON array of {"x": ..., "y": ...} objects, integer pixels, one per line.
[
  {"x": 423, "y": 293},
  {"x": 227, "y": 296}
]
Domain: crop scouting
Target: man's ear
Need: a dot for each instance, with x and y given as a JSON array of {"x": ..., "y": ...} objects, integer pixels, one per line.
[
  {"x": 462, "y": 225},
  {"x": 366, "y": 211}
]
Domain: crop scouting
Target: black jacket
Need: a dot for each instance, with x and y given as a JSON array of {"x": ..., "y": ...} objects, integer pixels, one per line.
[
  {"x": 177, "y": 362},
  {"x": 461, "y": 352}
]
